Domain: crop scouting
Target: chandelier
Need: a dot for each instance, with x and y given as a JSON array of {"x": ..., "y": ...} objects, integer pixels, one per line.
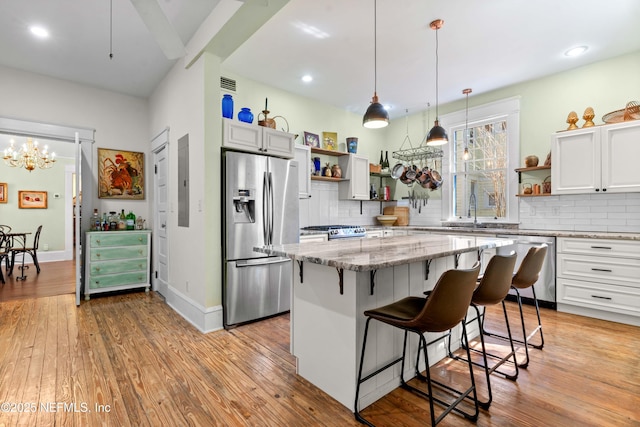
[{"x": 29, "y": 156}]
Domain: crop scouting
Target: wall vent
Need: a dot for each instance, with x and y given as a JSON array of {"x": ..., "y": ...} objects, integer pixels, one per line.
[{"x": 227, "y": 84}]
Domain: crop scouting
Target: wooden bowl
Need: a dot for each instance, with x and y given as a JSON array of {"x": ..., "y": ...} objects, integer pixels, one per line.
[{"x": 387, "y": 220}]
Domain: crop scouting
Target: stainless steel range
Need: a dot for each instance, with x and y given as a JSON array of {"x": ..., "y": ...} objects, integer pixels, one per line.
[{"x": 339, "y": 231}]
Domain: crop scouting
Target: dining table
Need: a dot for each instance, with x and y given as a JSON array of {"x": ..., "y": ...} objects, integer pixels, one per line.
[{"x": 18, "y": 238}]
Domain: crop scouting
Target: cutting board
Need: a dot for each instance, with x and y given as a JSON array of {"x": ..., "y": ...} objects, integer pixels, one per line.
[{"x": 402, "y": 212}]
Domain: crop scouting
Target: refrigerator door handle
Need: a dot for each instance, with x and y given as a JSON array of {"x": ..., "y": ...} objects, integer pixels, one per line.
[
  {"x": 265, "y": 207},
  {"x": 271, "y": 209}
]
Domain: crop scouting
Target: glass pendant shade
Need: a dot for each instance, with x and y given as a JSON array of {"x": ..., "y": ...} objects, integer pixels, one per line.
[
  {"x": 376, "y": 116},
  {"x": 466, "y": 155},
  {"x": 437, "y": 135}
]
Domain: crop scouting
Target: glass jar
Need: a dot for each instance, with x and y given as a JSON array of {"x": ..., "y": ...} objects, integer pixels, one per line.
[
  {"x": 245, "y": 115},
  {"x": 227, "y": 106}
]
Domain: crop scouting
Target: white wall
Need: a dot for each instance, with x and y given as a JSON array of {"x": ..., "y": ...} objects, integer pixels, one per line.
[{"x": 120, "y": 121}]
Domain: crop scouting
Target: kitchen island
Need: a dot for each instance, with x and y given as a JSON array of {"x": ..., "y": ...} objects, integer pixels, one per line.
[{"x": 336, "y": 281}]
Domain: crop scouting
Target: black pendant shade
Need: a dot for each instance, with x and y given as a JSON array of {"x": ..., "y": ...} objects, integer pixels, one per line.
[
  {"x": 437, "y": 135},
  {"x": 376, "y": 116}
]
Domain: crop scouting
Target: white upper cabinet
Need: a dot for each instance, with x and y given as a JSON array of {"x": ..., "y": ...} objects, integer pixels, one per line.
[
  {"x": 303, "y": 156},
  {"x": 355, "y": 171},
  {"x": 596, "y": 160},
  {"x": 257, "y": 139}
]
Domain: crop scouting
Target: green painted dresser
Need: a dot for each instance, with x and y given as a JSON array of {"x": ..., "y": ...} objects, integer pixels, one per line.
[{"x": 117, "y": 260}]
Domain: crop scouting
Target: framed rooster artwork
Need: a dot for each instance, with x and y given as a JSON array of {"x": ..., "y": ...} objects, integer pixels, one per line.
[{"x": 120, "y": 174}]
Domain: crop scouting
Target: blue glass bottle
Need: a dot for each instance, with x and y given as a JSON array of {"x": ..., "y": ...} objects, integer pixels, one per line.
[
  {"x": 245, "y": 115},
  {"x": 227, "y": 106}
]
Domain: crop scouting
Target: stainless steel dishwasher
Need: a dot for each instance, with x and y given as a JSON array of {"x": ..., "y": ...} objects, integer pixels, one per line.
[{"x": 546, "y": 284}]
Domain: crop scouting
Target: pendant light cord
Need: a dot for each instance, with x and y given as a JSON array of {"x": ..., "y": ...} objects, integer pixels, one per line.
[
  {"x": 437, "y": 74},
  {"x": 111, "y": 29},
  {"x": 375, "y": 47}
]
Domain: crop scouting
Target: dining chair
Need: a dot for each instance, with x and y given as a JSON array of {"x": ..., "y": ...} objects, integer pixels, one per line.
[
  {"x": 5, "y": 251},
  {"x": 31, "y": 250},
  {"x": 445, "y": 307}
]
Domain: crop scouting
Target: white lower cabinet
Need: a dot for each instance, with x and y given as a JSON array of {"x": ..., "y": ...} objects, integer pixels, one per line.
[
  {"x": 305, "y": 238},
  {"x": 599, "y": 278}
]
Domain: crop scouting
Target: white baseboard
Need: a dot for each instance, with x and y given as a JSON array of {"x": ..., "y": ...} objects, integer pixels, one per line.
[
  {"x": 47, "y": 256},
  {"x": 203, "y": 318}
]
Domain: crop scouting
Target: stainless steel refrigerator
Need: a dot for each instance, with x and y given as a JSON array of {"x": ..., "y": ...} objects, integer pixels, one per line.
[{"x": 260, "y": 208}]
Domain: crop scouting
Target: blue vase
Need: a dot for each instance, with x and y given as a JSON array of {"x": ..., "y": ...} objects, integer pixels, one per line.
[
  {"x": 352, "y": 145},
  {"x": 227, "y": 106},
  {"x": 316, "y": 165},
  {"x": 245, "y": 115}
]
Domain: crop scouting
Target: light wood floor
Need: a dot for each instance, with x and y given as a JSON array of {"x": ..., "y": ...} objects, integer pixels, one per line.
[
  {"x": 55, "y": 278},
  {"x": 147, "y": 366}
]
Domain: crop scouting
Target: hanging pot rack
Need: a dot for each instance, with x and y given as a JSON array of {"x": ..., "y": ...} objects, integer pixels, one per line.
[{"x": 417, "y": 154}]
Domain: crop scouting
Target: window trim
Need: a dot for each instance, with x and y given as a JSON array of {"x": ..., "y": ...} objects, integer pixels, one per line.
[{"x": 508, "y": 108}]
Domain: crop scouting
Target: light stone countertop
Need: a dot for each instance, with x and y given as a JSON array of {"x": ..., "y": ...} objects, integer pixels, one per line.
[
  {"x": 519, "y": 232},
  {"x": 373, "y": 254}
]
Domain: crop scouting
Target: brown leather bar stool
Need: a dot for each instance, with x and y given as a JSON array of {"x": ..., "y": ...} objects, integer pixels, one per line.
[
  {"x": 445, "y": 307},
  {"x": 492, "y": 289},
  {"x": 525, "y": 277}
]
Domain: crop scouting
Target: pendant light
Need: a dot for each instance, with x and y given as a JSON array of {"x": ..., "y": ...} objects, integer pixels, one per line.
[
  {"x": 376, "y": 116},
  {"x": 437, "y": 135},
  {"x": 466, "y": 155}
]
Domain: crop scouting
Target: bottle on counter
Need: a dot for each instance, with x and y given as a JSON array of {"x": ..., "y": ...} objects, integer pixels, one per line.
[
  {"x": 122, "y": 221},
  {"x": 95, "y": 221},
  {"x": 131, "y": 221},
  {"x": 113, "y": 221}
]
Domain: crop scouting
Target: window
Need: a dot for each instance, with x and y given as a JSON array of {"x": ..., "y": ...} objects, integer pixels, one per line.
[
  {"x": 484, "y": 185},
  {"x": 479, "y": 183}
]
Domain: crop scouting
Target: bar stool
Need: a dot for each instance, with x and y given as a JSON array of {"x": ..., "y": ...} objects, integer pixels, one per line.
[
  {"x": 492, "y": 289},
  {"x": 445, "y": 307},
  {"x": 525, "y": 277}
]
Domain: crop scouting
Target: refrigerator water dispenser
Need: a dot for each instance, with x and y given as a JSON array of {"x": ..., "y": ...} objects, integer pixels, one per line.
[{"x": 244, "y": 204}]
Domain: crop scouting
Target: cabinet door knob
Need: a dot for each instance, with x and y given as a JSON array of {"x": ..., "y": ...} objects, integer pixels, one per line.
[{"x": 604, "y": 189}]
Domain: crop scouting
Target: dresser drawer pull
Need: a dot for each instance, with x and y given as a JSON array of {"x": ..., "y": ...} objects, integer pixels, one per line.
[
  {"x": 140, "y": 251},
  {"x": 599, "y": 297},
  {"x": 98, "y": 255},
  {"x": 140, "y": 239},
  {"x": 600, "y": 247},
  {"x": 97, "y": 268},
  {"x": 601, "y": 269},
  {"x": 98, "y": 241}
]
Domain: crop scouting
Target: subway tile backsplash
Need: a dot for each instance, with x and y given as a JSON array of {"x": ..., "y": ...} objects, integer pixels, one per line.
[{"x": 617, "y": 212}]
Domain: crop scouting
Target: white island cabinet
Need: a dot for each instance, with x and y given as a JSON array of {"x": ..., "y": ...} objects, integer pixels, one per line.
[
  {"x": 599, "y": 159},
  {"x": 336, "y": 281}
]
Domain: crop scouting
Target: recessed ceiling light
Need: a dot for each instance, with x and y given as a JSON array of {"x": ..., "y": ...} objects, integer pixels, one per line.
[
  {"x": 576, "y": 51},
  {"x": 307, "y": 78},
  {"x": 39, "y": 32}
]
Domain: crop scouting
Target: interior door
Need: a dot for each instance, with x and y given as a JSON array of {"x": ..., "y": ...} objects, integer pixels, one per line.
[
  {"x": 78, "y": 238},
  {"x": 161, "y": 258}
]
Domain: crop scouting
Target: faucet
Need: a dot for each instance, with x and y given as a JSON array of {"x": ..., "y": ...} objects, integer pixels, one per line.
[{"x": 472, "y": 199}]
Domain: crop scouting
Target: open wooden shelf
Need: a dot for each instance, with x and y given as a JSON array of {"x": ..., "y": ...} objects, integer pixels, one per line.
[
  {"x": 326, "y": 178},
  {"x": 535, "y": 168},
  {"x": 534, "y": 195},
  {"x": 328, "y": 152}
]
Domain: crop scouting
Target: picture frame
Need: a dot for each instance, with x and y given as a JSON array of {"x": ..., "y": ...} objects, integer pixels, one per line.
[
  {"x": 330, "y": 140},
  {"x": 311, "y": 139},
  {"x": 3, "y": 192},
  {"x": 32, "y": 199},
  {"x": 120, "y": 174}
]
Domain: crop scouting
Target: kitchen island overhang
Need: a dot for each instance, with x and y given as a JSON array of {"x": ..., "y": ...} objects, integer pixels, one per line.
[{"x": 334, "y": 282}]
